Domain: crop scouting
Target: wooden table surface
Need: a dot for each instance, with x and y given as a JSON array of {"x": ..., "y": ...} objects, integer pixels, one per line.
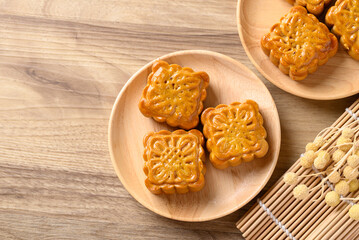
[{"x": 62, "y": 64}]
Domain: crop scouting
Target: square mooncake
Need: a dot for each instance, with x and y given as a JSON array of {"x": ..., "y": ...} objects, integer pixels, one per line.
[
  {"x": 344, "y": 17},
  {"x": 174, "y": 161},
  {"x": 174, "y": 95},
  {"x": 299, "y": 43},
  {"x": 313, "y": 6},
  {"x": 234, "y": 133}
]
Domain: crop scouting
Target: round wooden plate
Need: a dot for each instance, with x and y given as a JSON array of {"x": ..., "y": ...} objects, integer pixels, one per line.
[
  {"x": 225, "y": 190},
  {"x": 338, "y": 78}
]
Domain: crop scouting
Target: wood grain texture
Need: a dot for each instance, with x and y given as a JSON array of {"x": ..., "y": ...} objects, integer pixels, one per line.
[{"x": 62, "y": 64}]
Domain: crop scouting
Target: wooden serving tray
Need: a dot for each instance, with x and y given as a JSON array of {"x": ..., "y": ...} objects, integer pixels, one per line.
[
  {"x": 225, "y": 191},
  {"x": 338, "y": 78}
]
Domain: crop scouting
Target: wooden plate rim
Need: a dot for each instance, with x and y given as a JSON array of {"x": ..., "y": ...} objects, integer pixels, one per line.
[
  {"x": 133, "y": 193},
  {"x": 283, "y": 87}
]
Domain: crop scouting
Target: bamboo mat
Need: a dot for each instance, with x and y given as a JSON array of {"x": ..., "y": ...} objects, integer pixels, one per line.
[{"x": 278, "y": 215}]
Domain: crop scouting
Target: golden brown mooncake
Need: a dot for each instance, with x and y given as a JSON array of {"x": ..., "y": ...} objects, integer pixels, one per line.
[
  {"x": 234, "y": 133},
  {"x": 299, "y": 43},
  {"x": 174, "y": 95},
  {"x": 174, "y": 161},
  {"x": 313, "y": 6},
  {"x": 344, "y": 17}
]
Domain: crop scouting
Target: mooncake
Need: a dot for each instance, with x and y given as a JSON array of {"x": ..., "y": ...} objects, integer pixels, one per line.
[
  {"x": 299, "y": 43},
  {"x": 174, "y": 95},
  {"x": 173, "y": 161},
  {"x": 313, "y": 6},
  {"x": 234, "y": 133},
  {"x": 344, "y": 17}
]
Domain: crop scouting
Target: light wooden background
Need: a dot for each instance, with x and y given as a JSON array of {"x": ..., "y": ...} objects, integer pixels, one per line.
[{"x": 62, "y": 64}]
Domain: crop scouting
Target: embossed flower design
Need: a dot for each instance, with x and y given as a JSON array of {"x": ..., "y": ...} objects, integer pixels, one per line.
[
  {"x": 174, "y": 94},
  {"x": 299, "y": 43},
  {"x": 174, "y": 161},
  {"x": 235, "y": 132},
  {"x": 344, "y": 17},
  {"x": 314, "y": 6}
]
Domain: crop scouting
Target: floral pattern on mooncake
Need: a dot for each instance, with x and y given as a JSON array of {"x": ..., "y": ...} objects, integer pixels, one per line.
[
  {"x": 344, "y": 17},
  {"x": 234, "y": 133},
  {"x": 174, "y": 161},
  {"x": 299, "y": 43},
  {"x": 313, "y": 6},
  {"x": 174, "y": 95}
]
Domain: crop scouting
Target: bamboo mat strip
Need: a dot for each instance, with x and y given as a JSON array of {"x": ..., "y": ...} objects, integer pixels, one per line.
[{"x": 278, "y": 215}]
